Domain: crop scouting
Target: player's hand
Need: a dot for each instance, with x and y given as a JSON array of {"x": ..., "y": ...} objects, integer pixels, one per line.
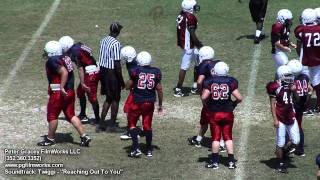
[
  {"x": 293, "y": 45},
  {"x": 287, "y": 49},
  {"x": 86, "y": 88},
  {"x": 64, "y": 92},
  {"x": 160, "y": 111},
  {"x": 275, "y": 123},
  {"x": 293, "y": 87}
]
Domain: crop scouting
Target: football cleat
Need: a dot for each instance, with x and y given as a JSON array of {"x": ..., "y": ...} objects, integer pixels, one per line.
[
  {"x": 222, "y": 149},
  {"x": 256, "y": 40},
  {"x": 85, "y": 140},
  {"x": 212, "y": 165},
  {"x": 149, "y": 153},
  {"x": 136, "y": 153},
  {"x": 194, "y": 90},
  {"x": 232, "y": 165},
  {"x": 299, "y": 153},
  {"x": 308, "y": 113},
  {"x": 83, "y": 118},
  {"x": 193, "y": 141},
  {"x": 125, "y": 136},
  {"x": 177, "y": 92},
  {"x": 282, "y": 168},
  {"x": 46, "y": 142}
]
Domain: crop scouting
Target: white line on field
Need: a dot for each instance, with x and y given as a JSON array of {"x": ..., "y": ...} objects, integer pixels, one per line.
[
  {"x": 6, "y": 83},
  {"x": 245, "y": 130}
]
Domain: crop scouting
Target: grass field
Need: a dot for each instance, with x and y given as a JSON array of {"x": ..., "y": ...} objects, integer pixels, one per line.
[{"x": 148, "y": 25}]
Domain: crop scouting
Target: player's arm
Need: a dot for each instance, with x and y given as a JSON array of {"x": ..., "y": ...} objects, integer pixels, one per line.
[
  {"x": 64, "y": 77},
  {"x": 129, "y": 85},
  {"x": 160, "y": 96},
  {"x": 199, "y": 82},
  {"x": 298, "y": 48},
  {"x": 194, "y": 37},
  {"x": 204, "y": 96},
  {"x": 81, "y": 77},
  {"x": 236, "y": 93},
  {"x": 273, "y": 111},
  {"x": 275, "y": 39}
]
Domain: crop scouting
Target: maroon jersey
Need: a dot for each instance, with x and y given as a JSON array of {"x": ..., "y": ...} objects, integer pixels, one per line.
[
  {"x": 281, "y": 33},
  {"x": 284, "y": 105},
  {"x": 52, "y": 66},
  {"x": 185, "y": 20},
  {"x": 309, "y": 36},
  {"x": 81, "y": 55}
]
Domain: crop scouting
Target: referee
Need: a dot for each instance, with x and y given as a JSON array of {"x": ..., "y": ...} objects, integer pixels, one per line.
[
  {"x": 111, "y": 76},
  {"x": 258, "y": 10}
]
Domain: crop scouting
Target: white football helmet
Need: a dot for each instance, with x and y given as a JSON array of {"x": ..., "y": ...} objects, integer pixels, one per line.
[
  {"x": 284, "y": 73},
  {"x": 189, "y": 6},
  {"x": 318, "y": 13},
  {"x": 206, "y": 52},
  {"x": 308, "y": 16},
  {"x": 283, "y": 15},
  {"x": 144, "y": 58},
  {"x": 53, "y": 48},
  {"x": 296, "y": 66},
  {"x": 66, "y": 43},
  {"x": 128, "y": 53},
  {"x": 221, "y": 69}
]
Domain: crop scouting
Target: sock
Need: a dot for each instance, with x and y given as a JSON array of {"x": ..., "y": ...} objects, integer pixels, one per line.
[
  {"x": 148, "y": 135},
  {"x": 178, "y": 89},
  {"x": 83, "y": 102},
  {"x": 258, "y": 32},
  {"x": 301, "y": 144},
  {"x": 134, "y": 136},
  {"x": 231, "y": 157},
  {"x": 95, "y": 107},
  {"x": 199, "y": 138},
  {"x": 194, "y": 85},
  {"x": 83, "y": 135},
  {"x": 215, "y": 157},
  {"x": 50, "y": 139}
]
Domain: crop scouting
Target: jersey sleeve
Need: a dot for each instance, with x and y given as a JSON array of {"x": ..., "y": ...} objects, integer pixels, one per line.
[
  {"x": 275, "y": 33},
  {"x": 271, "y": 89},
  {"x": 202, "y": 69},
  {"x": 298, "y": 32},
  {"x": 191, "y": 21},
  {"x": 234, "y": 84},
  {"x": 133, "y": 73},
  {"x": 116, "y": 51},
  {"x": 206, "y": 85}
]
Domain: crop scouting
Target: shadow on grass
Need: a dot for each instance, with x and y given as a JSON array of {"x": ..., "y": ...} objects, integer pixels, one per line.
[
  {"x": 64, "y": 138},
  {"x": 273, "y": 162},
  {"x": 250, "y": 36},
  {"x": 143, "y": 148},
  {"x": 222, "y": 160}
]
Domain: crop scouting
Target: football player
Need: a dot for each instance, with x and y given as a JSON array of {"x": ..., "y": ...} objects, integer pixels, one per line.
[
  {"x": 61, "y": 91},
  {"x": 187, "y": 40},
  {"x": 281, "y": 93},
  {"x": 128, "y": 54},
  {"x": 88, "y": 71},
  {"x": 216, "y": 95},
  {"x": 304, "y": 91},
  {"x": 280, "y": 41},
  {"x": 206, "y": 65},
  {"x": 145, "y": 81},
  {"x": 318, "y": 15},
  {"x": 308, "y": 35},
  {"x": 258, "y": 10}
]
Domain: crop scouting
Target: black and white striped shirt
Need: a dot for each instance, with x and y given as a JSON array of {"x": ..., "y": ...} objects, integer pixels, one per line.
[{"x": 109, "y": 52}]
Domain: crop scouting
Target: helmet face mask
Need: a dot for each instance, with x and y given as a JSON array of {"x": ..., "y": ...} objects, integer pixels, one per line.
[
  {"x": 285, "y": 74},
  {"x": 285, "y": 17}
]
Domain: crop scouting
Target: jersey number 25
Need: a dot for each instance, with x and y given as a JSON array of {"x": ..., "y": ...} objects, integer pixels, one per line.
[{"x": 146, "y": 81}]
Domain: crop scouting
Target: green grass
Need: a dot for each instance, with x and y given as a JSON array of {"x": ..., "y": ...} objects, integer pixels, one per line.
[{"x": 148, "y": 25}]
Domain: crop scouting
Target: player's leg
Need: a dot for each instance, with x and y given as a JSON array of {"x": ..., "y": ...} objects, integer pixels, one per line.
[
  {"x": 227, "y": 136},
  {"x": 315, "y": 81},
  {"x": 294, "y": 133},
  {"x": 54, "y": 108},
  {"x": 92, "y": 96},
  {"x": 147, "y": 114},
  {"x": 115, "y": 96},
  {"x": 280, "y": 58},
  {"x": 126, "y": 107},
  {"x": 215, "y": 130},
  {"x": 185, "y": 65},
  {"x": 281, "y": 138},
  {"x": 194, "y": 88},
  {"x": 83, "y": 102},
  {"x": 300, "y": 149},
  {"x": 69, "y": 112},
  {"x": 105, "y": 90},
  {"x": 133, "y": 116},
  {"x": 204, "y": 121}
]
